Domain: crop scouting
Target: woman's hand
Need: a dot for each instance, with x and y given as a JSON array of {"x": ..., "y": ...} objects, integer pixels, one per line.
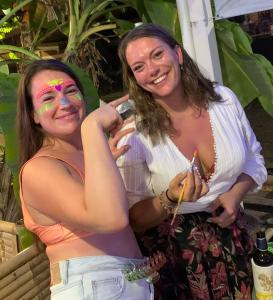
[
  {"x": 107, "y": 117},
  {"x": 224, "y": 209},
  {"x": 113, "y": 142},
  {"x": 229, "y": 202},
  {"x": 194, "y": 189}
]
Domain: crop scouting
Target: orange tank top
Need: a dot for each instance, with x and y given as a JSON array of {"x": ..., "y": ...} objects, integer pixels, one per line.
[{"x": 56, "y": 233}]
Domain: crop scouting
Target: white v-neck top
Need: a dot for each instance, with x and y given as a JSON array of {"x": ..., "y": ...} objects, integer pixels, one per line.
[{"x": 147, "y": 169}]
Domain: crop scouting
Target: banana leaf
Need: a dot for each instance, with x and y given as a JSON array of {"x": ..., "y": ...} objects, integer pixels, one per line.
[
  {"x": 160, "y": 12},
  {"x": 8, "y": 90},
  {"x": 249, "y": 75}
]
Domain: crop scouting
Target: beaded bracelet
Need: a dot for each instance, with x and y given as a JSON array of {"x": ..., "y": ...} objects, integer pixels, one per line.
[{"x": 166, "y": 203}]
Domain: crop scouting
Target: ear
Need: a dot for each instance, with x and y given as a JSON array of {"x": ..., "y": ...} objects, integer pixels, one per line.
[
  {"x": 35, "y": 117},
  {"x": 179, "y": 54}
]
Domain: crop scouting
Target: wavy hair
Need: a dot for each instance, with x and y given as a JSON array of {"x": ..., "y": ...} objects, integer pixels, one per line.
[
  {"x": 196, "y": 88},
  {"x": 30, "y": 134}
]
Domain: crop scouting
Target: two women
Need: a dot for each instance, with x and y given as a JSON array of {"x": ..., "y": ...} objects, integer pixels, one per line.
[{"x": 195, "y": 131}]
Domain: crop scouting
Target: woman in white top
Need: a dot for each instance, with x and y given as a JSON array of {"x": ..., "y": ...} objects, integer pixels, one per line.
[{"x": 178, "y": 113}]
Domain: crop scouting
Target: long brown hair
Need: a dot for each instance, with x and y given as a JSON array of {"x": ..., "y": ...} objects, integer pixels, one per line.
[
  {"x": 30, "y": 134},
  {"x": 154, "y": 120}
]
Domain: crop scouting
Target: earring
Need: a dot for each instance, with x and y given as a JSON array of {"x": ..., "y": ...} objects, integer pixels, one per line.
[{"x": 181, "y": 68}]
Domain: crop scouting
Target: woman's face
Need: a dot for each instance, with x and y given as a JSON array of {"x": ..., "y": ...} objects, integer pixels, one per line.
[
  {"x": 155, "y": 65},
  {"x": 58, "y": 103}
]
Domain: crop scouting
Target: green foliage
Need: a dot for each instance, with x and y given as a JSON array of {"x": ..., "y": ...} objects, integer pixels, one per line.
[
  {"x": 160, "y": 12},
  {"x": 5, "y": 4},
  {"x": 249, "y": 75},
  {"x": 26, "y": 238},
  {"x": 8, "y": 117}
]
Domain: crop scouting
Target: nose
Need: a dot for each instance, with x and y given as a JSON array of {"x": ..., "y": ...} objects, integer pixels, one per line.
[
  {"x": 153, "y": 69},
  {"x": 64, "y": 102}
]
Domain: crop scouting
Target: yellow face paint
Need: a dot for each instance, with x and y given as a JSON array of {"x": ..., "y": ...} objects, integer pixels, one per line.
[
  {"x": 78, "y": 96},
  {"x": 45, "y": 107},
  {"x": 56, "y": 83}
]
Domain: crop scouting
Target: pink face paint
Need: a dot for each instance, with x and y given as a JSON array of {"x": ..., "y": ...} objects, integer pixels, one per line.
[{"x": 54, "y": 85}]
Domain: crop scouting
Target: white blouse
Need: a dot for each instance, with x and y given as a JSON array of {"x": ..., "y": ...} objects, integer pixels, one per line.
[{"x": 147, "y": 169}]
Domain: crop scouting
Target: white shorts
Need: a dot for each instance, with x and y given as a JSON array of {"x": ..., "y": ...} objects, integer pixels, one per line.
[{"x": 97, "y": 278}]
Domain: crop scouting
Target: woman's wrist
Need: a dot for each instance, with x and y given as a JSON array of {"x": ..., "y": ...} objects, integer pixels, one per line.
[{"x": 166, "y": 203}]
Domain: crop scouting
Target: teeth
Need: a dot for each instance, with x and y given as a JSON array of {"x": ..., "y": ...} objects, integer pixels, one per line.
[{"x": 159, "y": 79}]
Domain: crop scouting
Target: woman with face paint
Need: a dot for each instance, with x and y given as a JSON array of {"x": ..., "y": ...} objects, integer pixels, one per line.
[
  {"x": 72, "y": 194},
  {"x": 194, "y": 130}
]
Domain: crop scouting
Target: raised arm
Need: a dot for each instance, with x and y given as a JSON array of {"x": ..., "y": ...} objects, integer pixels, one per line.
[{"x": 54, "y": 194}]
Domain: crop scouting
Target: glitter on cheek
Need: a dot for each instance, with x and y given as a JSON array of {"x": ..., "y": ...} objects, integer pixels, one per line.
[
  {"x": 78, "y": 96},
  {"x": 45, "y": 107}
]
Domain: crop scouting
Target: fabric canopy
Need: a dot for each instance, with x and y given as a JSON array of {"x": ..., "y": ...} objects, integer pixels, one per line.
[{"x": 231, "y": 8}]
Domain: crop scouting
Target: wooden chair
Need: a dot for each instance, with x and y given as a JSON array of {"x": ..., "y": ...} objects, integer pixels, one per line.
[{"x": 24, "y": 275}]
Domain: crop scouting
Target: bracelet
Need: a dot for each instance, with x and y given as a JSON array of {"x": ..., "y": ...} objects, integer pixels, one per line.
[
  {"x": 167, "y": 204},
  {"x": 173, "y": 201}
]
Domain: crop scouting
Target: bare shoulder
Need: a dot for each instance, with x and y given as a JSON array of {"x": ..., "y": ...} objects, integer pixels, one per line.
[
  {"x": 42, "y": 174},
  {"x": 41, "y": 167}
]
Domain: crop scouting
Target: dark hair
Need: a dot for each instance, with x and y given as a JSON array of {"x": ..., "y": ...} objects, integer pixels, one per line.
[
  {"x": 196, "y": 88},
  {"x": 30, "y": 134}
]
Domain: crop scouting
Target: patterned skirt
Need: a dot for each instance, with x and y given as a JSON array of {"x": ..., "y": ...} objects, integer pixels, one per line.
[{"x": 205, "y": 261}]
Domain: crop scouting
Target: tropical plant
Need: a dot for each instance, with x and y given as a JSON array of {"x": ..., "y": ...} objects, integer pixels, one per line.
[
  {"x": 160, "y": 12},
  {"x": 250, "y": 75},
  {"x": 79, "y": 23}
]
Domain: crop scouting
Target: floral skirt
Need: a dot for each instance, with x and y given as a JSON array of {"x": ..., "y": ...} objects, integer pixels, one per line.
[{"x": 205, "y": 261}]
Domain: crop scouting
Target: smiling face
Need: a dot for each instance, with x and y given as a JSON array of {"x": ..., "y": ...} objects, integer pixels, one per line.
[
  {"x": 57, "y": 102},
  {"x": 155, "y": 65}
]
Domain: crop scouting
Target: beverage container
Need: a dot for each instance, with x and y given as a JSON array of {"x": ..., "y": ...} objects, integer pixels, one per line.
[
  {"x": 262, "y": 267},
  {"x": 126, "y": 109}
]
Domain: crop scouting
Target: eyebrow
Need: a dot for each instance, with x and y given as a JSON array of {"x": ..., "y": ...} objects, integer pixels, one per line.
[
  {"x": 151, "y": 53},
  {"x": 51, "y": 87}
]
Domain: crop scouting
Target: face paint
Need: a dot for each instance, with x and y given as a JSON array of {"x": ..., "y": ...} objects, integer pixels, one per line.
[
  {"x": 64, "y": 101},
  {"x": 57, "y": 83},
  {"x": 45, "y": 107},
  {"x": 78, "y": 96}
]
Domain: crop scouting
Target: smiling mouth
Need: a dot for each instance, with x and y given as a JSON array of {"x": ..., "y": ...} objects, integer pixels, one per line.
[
  {"x": 68, "y": 115},
  {"x": 160, "y": 79}
]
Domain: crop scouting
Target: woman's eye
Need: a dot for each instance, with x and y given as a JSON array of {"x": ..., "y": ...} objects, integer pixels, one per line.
[
  {"x": 48, "y": 98},
  {"x": 72, "y": 90},
  {"x": 158, "y": 54},
  {"x": 137, "y": 68}
]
